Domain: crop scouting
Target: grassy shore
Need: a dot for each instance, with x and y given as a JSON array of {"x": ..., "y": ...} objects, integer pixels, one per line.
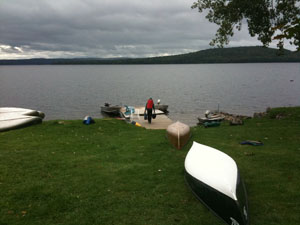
[{"x": 111, "y": 172}]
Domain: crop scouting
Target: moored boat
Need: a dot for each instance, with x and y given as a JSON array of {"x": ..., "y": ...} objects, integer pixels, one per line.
[
  {"x": 211, "y": 124},
  {"x": 178, "y": 134},
  {"x": 163, "y": 108},
  {"x": 209, "y": 117},
  {"x": 204, "y": 119},
  {"x": 111, "y": 110},
  {"x": 214, "y": 178}
]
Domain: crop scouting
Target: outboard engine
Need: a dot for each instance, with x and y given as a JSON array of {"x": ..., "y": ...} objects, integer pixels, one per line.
[{"x": 207, "y": 113}]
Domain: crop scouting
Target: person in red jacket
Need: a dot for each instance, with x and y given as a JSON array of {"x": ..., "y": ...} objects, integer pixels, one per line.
[{"x": 149, "y": 106}]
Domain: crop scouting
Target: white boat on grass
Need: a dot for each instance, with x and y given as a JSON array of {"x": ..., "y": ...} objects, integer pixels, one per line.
[
  {"x": 21, "y": 111},
  {"x": 12, "y": 117},
  {"x": 12, "y": 121},
  {"x": 214, "y": 178}
]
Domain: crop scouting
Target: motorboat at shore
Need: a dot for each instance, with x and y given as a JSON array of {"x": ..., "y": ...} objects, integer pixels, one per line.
[
  {"x": 111, "y": 109},
  {"x": 163, "y": 108},
  {"x": 214, "y": 178},
  {"x": 211, "y": 117}
]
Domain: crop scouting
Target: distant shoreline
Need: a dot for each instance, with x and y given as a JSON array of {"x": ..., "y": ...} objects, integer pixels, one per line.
[{"x": 210, "y": 56}]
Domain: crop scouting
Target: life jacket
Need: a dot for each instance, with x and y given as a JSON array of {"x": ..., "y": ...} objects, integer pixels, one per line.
[{"x": 150, "y": 104}]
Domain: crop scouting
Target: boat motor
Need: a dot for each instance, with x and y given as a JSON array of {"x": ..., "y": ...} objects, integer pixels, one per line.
[{"x": 207, "y": 113}]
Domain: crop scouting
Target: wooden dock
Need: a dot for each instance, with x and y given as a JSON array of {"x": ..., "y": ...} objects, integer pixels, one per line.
[{"x": 160, "y": 122}]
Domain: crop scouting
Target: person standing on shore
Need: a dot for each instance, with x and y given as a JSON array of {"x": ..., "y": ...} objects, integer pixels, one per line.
[{"x": 149, "y": 106}]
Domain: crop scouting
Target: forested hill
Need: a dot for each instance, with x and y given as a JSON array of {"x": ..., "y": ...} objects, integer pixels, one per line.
[{"x": 216, "y": 55}]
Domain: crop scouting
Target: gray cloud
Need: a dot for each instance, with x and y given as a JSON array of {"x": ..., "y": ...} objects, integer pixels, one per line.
[{"x": 103, "y": 28}]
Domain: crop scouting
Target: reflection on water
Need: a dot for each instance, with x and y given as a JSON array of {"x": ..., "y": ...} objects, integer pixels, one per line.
[{"x": 71, "y": 92}]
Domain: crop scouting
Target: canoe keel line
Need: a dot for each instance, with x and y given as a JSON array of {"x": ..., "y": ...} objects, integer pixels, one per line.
[{"x": 226, "y": 198}]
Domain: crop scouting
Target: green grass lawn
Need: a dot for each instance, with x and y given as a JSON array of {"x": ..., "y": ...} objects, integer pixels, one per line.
[{"x": 111, "y": 172}]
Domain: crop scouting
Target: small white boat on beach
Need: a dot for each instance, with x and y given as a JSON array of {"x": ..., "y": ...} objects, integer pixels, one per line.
[
  {"x": 12, "y": 118},
  {"x": 214, "y": 178},
  {"x": 21, "y": 111}
]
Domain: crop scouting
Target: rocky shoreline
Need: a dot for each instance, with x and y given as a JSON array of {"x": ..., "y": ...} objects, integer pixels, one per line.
[{"x": 236, "y": 119}]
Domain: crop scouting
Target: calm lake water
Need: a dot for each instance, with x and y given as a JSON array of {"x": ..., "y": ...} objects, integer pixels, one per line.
[{"x": 72, "y": 92}]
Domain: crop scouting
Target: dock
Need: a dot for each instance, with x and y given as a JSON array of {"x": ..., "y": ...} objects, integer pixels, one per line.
[{"x": 160, "y": 122}]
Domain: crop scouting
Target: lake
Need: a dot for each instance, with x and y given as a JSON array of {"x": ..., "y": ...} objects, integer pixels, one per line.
[{"x": 74, "y": 91}]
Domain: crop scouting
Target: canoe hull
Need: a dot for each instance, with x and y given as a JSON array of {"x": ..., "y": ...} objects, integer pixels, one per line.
[
  {"x": 21, "y": 111},
  {"x": 16, "y": 121},
  {"x": 224, "y": 207},
  {"x": 178, "y": 134},
  {"x": 214, "y": 178},
  {"x": 13, "y": 117}
]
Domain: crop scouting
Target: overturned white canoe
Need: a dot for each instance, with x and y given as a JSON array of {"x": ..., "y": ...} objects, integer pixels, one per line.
[
  {"x": 12, "y": 117},
  {"x": 9, "y": 121},
  {"x": 214, "y": 178},
  {"x": 21, "y": 111},
  {"x": 178, "y": 134}
]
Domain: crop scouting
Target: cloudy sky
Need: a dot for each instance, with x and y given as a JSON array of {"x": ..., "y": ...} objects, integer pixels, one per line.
[{"x": 105, "y": 28}]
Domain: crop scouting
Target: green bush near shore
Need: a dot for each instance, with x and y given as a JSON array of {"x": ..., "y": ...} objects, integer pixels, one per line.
[{"x": 111, "y": 172}]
